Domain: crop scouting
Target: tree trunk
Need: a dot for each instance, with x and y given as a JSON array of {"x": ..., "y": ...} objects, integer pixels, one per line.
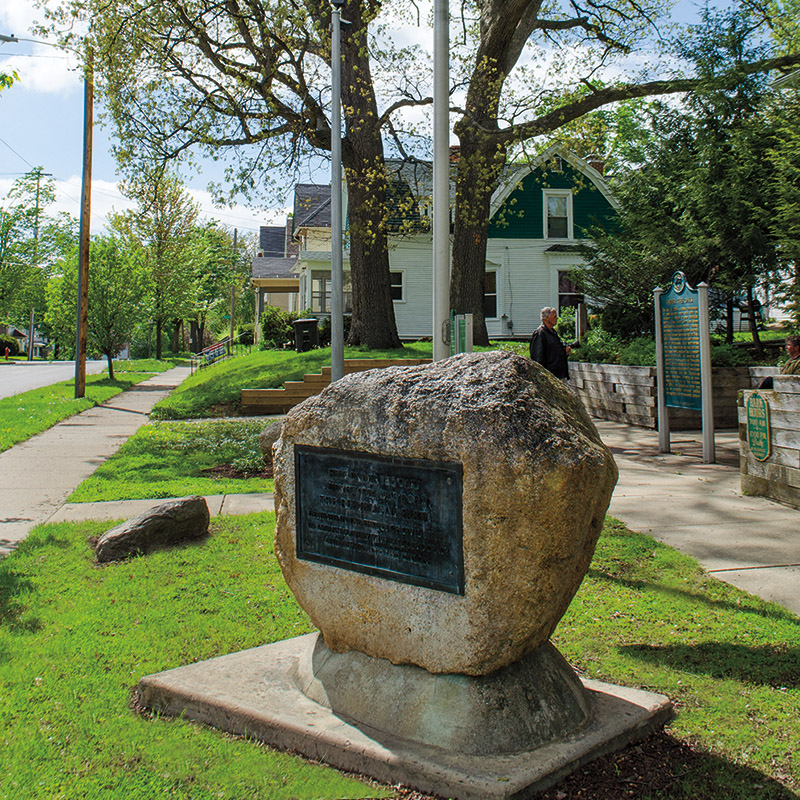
[
  {"x": 757, "y": 346},
  {"x": 194, "y": 342},
  {"x": 479, "y": 167},
  {"x": 158, "y": 339},
  {"x": 176, "y": 330},
  {"x": 373, "y": 322},
  {"x": 110, "y": 366},
  {"x": 480, "y": 164}
]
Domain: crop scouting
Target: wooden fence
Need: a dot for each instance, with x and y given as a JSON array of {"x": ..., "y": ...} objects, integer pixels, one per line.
[
  {"x": 778, "y": 476},
  {"x": 628, "y": 394}
]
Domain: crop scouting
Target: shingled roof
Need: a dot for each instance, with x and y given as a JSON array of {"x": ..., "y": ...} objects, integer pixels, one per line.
[
  {"x": 272, "y": 241},
  {"x": 273, "y": 267},
  {"x": 312, "y": 206}
]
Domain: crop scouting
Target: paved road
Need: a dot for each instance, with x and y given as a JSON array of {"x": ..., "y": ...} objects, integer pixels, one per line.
[{"x": 25, "y": 375}]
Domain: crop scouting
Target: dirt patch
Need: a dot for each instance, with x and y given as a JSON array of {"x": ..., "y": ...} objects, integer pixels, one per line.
[{"x": 229, "y": 472}]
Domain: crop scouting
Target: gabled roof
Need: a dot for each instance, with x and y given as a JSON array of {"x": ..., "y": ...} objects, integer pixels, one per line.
[
  {"x": 312, "y": 206},
  {"x": 516, "y": 173}
]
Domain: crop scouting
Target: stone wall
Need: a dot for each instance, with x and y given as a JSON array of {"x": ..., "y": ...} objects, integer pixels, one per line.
[
  {"x": 628, "y": 394},
  {"x": 778, "y": 476}
]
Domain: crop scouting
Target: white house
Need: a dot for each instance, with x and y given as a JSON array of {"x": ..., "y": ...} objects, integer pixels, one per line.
[{"x": 539, "y": 218}]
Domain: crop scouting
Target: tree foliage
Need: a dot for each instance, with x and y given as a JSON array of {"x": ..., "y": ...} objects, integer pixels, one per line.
[
  {"x": 709, "y": 198},
  {"x": 114, "y": 299},
  {"x": 161, "y": 228},
  {"x": 32, "y": 242},
  {"x": 250, "y": 80}
]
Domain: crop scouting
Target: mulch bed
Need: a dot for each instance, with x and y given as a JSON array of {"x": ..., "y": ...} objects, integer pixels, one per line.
[{"x": 647, "y": 769}]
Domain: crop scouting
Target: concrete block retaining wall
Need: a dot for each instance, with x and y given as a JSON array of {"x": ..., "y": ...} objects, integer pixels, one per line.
[
  {"x": 778, "y": 476},
  {"x": 628, "y": 394}
]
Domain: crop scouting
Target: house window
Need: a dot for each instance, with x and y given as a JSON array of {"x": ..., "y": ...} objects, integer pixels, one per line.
[
  {"x": 396, "y": 283},
  {"x": 558, "y": 214},
  {"x": 320, "y": 292},
  {"x": 568, "y": 294},
  {"x": 490, "y": 295}
]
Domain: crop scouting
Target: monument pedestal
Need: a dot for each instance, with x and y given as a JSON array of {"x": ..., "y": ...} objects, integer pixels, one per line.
[{"x": 506, "y": 735}]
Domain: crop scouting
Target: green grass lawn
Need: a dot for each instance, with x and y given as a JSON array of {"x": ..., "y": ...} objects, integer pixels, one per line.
[
  {"x": 216, "y": 390},
  {"x": 167, "y": 459},
  {"x": 24, "y": 415},
  {"x": 75, "y": 639}
]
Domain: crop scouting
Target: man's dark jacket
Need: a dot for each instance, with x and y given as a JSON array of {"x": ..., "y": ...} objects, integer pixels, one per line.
[{"x": 548, "y": 350}]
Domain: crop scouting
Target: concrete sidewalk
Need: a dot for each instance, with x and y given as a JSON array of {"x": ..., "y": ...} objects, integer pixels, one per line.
[
  {"x": 36, "y": 476},
  {"x": 697, "y": 508}
]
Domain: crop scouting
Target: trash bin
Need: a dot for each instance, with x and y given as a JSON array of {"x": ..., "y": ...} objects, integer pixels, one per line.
[{"x": 306, "y": 334}]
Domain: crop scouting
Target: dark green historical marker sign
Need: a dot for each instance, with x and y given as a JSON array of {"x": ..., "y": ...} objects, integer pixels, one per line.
[
  {"x": 680, "y": 334},
  {"x": 758, "y": 438}
]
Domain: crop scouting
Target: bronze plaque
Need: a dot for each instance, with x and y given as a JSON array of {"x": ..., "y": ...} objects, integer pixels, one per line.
[{"x": 398, "y": 518}]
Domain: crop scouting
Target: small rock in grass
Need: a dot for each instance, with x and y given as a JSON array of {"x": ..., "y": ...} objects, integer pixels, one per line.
[{"x": 162, "y": 526}]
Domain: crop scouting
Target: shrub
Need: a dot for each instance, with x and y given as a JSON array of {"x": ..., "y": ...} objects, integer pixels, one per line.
[
  {"x": 325, "y": 330},
  {"x": 565, "y": 327},
  {"x": 276, "y": 328},
  {"x": 246, "y": 334},
  {"x": 641, "y": 351}
]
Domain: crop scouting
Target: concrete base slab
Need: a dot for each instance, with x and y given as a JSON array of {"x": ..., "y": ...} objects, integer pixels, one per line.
[{"x": 255, "y": 693}]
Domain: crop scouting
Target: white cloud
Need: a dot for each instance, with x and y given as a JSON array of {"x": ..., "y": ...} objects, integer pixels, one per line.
[
  {"x": 106, "y": 199},
  {"x": 41, "y": 68}
]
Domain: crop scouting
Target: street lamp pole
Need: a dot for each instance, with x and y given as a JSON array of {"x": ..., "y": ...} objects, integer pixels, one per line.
[
  {"x": 441, "y": 178},
  {"x": 337, "y": 269}
]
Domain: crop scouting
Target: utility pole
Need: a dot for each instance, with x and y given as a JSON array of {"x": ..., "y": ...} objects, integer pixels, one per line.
[{"x": 85, "y": 228}]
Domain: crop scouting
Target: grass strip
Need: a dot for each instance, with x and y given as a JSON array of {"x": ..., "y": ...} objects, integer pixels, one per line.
[
  {"x": 167, "y": 459},
  {"x": 24, "y": 415},
  {"x": 75, "y": 639}
]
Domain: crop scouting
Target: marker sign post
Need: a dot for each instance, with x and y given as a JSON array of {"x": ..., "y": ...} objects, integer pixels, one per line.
[{"x": 683, "y": 358}]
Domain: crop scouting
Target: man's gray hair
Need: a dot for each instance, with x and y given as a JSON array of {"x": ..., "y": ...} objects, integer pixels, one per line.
[{"x": 547, "y": 311}]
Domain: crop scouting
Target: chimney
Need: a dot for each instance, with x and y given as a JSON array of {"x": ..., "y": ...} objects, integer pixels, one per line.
[{"x": 596, "y": 162}]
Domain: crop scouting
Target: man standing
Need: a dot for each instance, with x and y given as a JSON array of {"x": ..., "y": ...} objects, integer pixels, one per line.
[
  {"x": 792, "y": 366},
  {"x": 547, "y": 348}
]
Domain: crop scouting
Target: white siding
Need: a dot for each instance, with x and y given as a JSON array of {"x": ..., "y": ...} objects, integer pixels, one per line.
[
  {"x": 525, "y": 283},
  {"x": 414, "y": 314}
]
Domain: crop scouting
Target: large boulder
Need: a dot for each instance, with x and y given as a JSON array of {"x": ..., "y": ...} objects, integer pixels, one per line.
[
  {"x": 165, "y": 525},
  {"x": 536, "y": 483}
]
